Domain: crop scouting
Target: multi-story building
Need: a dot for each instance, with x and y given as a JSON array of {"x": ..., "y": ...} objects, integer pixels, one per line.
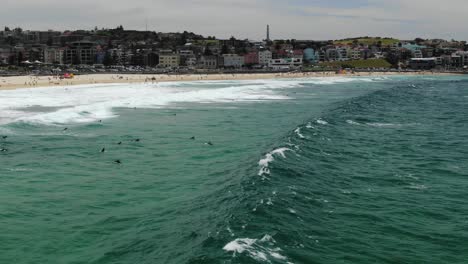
[
  {"x": 54, "y": 55},
  {"x": 66, "y": 38},
  {"x": 186, "y": 53},
  {"x": 209, "y": 62},
  {"x": 342, "y": 54},
  {"x": 36, "y": 52},
  {"x": 463, "y": 57},
  {"x": 355, "y": 54},
  {"x": 251, "y": 58},
  {"x": 422, "y": 63},
  {"x": 310, "y": 56},
  {"x": 40, "y": 37},
  {"x": 285, "y": 64},
  {"x": 298, "y": 53},
  {"x": 191, "y": 61},
  {"x": 331, "y": 54},
  {"x": 233, "y": 61},
  {"x": 80, "y": 52},
  {"x": 416, "y": 50},
  {"x": 264, "y": 57},
  {"x": 5, "y": 54},
  {"x": 169, "y": 60}
]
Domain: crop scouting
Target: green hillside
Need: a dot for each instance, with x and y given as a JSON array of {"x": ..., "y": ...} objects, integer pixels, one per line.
[
  {"x": 370, "y": 63},
  {"x": 367, "y": 41}
]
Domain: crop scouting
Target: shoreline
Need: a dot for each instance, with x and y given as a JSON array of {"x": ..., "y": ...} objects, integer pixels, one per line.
[{"x": 26, "y": 82}]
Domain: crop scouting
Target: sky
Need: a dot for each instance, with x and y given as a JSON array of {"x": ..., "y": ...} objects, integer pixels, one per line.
[{"x": 288, "y": 19}]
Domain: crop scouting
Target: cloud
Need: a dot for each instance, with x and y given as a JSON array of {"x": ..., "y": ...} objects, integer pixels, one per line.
[{"x": 300, "y": 19}]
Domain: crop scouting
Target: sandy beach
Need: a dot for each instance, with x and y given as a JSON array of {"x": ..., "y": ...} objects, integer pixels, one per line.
[{"x": 18, "y": 82}]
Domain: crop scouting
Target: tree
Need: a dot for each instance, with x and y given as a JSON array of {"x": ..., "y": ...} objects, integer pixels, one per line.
[
  {"x": 20, "y": 57},
  {"x": 418, "y": 40},
  {"x": 108, "y": 59},
  {"x": 12, "y": 60},
  {"x": 109, "y": 44},
  {"x": 7, "y": 29},
  {"x": 393, "y": 59},
  {"x": 225, "y": 49},
  {"x": 294, "y": 43},
  {"x": 207, "y": 51},
  {"x": 18, "y": 30}
]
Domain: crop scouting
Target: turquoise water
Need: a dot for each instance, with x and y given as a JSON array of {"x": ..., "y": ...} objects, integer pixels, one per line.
[{"x": 331, "y": 170}]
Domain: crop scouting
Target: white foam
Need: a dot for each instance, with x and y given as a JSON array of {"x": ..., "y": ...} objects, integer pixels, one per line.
[
  {"x": 88, "y": 103},
  {"x": 298, "y": 133},
  {"x": 260, "y": 250},
  {"x": 351, "y": 122},
  {"x": 322, "y": 122},
  {"x": 239, "y": 245},
  {"x": 389, "y": 125},
  {"x": 269, "y": 157},
  {"x": 417, "y": 186}
]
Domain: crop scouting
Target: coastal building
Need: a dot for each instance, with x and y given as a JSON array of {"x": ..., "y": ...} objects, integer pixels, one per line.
[
  {"x": 66, "y": 38},
  {"x": 169, "y": 60},
  {"x": 5, "y": 54},
  {"x": 322, "y": 55},
  {"x": 151, "y": 59},
  {"x": 251, "y": 58},
  {"x": 355, "y": 54},
  {"x": 342, "y": 54},
  {"x": 463, "y": 57},
  {"x": 36, "y": 52},
  {"x": 54, "y": 55},
  {"x": 80, "y": 52},
  {"x": 209, "y": 62},
  {"x": 186, "y": 53},
  {"x": 331, "y": 54},
  {"x": 297, "y": 53},
  {"x": 118, "y": 56},
  {"x": 233, "y": 61},
  {"x": 310, "y": 56},
  {"x": 190, "y": 61},
  {"x": 416, "y": 50},
  {"x": 422, "y": 63},
  {"x": 264, "y": 57},
  {"x": 285, "y": 63},
  {"x": 281, "y": 53},
  {"x": 39, "y": 37}
]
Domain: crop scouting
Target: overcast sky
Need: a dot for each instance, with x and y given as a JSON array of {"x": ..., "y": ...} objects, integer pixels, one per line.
[{"x": 299, "y": 19}]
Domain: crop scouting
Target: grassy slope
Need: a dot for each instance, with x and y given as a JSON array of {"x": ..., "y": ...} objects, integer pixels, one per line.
[
  {"x": 370, "y": 63},
  {"x": 368, "y": 41}
]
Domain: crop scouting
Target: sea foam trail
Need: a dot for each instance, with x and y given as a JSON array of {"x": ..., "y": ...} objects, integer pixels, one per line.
[
  {"x": 298, "y": 133},
  {"x": 261, "y": 250},
  {"x": 270, "y": 157},
  {"x": 88, "y": 103}
]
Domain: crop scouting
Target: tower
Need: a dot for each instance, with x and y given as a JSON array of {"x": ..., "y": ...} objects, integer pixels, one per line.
[{"x": 268, "y": 33}]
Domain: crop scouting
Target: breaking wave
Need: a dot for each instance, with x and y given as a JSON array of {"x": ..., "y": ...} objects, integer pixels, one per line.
[{"x": 88, "y": 103}]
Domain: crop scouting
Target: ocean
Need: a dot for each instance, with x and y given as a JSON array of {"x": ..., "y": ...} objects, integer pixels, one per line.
[{"x": 314, "y": 170}]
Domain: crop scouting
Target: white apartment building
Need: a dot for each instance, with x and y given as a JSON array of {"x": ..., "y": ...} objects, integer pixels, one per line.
[
  {"x": 169, "y": 60},
  {"x": 264, "y": 57},
  {"x": 233, "y": 60},
  {"x": 54, "y": 55},
  {"x": 285, "y": 64}
]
